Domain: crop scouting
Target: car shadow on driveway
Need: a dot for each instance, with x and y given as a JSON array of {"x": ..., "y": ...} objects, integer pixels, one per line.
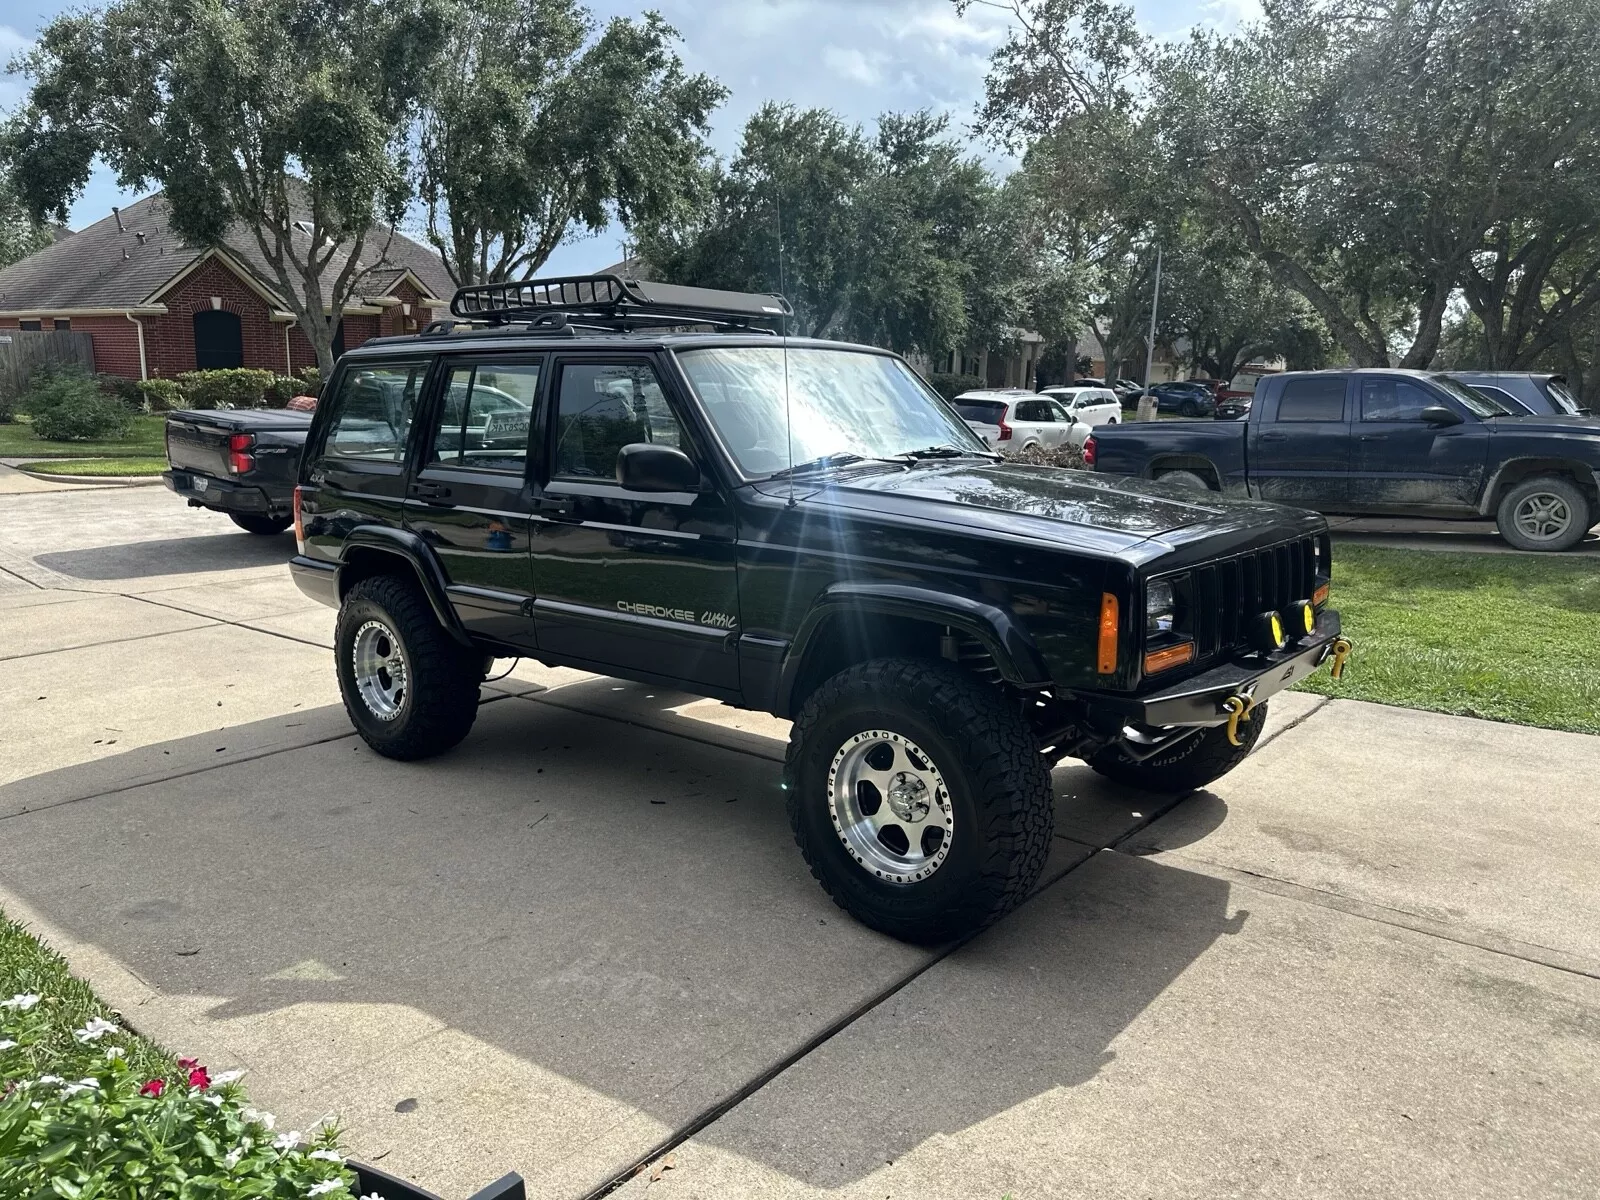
[
  {"x": 616, "y": 917},
  {"x": 171, "y": 556}
]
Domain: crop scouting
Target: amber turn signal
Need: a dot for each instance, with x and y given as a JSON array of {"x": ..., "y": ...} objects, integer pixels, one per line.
[
  {"x": 1106, "y": 659},
  {"x": 1170, "y": 656},
  {"x": 1320, "y": 596}
]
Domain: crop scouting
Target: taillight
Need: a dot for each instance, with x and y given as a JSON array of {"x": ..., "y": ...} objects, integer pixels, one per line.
[
  {"x": 1088, "y": 451},
  {"x": 1005, "y": 432},
  {"x": 299, "y": 526},
  {"x": 241, "y": 460}
]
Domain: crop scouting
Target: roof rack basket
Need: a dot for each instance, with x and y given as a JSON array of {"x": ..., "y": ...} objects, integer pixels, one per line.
[{"x": 611, "y": 302}]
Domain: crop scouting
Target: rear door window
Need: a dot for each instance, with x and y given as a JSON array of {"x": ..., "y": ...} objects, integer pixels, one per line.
[
  {"x": 373, "y": 411},
  {"x": 1393, "y": 400},
  {"x": 485, "y": 415},
  {"x": 1316, "y": 399}
]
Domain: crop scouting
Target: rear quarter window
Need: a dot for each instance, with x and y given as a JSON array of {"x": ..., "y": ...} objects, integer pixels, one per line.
[
  {"x": 369, "y": 415},
  {"x": 985, "y": 412}
]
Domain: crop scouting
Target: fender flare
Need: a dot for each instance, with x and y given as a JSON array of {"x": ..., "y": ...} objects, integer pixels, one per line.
[
  {"x": 999, "y": 631},
  {"x": 1546, "y": 464},
  {"x": 419, "y": 556}
]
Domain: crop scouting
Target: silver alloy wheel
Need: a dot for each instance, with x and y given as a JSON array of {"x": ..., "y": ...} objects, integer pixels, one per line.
[
  {"x": 890, "y": 806},
  {"x": 1543, "y": 516},
  {"x": 380, "y": 669}
]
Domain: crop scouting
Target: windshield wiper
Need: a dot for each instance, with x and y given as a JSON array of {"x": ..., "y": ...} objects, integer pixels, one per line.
[
  {"x": 841, "y": 458},
  {"x": 942, "y": 452}
]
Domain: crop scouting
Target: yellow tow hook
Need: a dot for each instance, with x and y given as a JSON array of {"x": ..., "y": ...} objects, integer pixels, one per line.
[
  {"x": 1341, "y": 654},
  {"x": 1238, "y": 709}
]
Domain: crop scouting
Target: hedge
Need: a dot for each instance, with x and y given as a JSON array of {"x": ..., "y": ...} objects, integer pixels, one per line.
[{"x": 951, "y": 386}]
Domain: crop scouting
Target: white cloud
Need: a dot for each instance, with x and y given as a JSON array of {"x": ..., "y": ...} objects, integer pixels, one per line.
[{"x": 849, "y": 63}]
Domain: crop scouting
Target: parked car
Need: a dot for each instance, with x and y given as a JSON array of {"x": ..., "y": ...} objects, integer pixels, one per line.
[
  {"x": 1188, "y": 398},
  {"x": 1128, "y": 392},
  {"x": 1016, "y": 420},
  {"x": 1232, "y": 408},
  {"x": 1087, "y": 405},
  {"x": 1383, "y": 442},
  {"x": 804, "y": 529},
  {"x": 1523, "y": 391},
  {"x": 240, "y": 461}
]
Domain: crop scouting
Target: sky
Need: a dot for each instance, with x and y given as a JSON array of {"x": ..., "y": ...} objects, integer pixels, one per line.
[{"x": 858, "y": 57}]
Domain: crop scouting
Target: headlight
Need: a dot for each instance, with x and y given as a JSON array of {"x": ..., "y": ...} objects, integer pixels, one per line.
[{"x": 1160, "y": 607}]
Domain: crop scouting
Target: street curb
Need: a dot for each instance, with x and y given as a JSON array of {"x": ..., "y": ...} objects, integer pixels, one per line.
[{"x": 121, "y": 480}]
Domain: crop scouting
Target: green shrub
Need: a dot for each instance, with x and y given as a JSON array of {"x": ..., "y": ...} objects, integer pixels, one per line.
[
  {"x": 951, "y": 386},
  {"x": 126, "y": 391},
  {"x": 237, "y": 387},
  {"x": 160, "y": 395},
  {"x": 310, "y": 381},
  {"x": 282, "y": 390},
  {"x": 69, "y": 406}
]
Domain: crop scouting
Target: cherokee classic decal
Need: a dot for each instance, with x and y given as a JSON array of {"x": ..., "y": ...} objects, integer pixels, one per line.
[{"x": 714, "y": 619}]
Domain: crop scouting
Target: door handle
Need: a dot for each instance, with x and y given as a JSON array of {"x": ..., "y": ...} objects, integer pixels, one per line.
[
  {"x": 557, "y": 508},
  {"x": 1273, "y": 437},
  {"x": 430, "y": 491}
]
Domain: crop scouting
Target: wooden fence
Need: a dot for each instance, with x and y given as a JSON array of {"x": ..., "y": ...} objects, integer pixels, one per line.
[{"x": 24, "y": 351}]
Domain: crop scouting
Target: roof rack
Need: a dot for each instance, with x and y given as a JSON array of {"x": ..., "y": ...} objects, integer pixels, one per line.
[{"x": 611, "y": 302}]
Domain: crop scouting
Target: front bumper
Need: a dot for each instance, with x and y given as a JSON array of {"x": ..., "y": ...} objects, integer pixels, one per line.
[
  {"x": 224, "y": 495},
  {"x": 1199, "y": 699}
]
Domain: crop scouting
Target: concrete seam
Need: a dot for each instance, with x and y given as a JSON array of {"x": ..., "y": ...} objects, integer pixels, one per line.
[
  {"x": 288, "y": 637},
  {"x": 210, "y": 623},
  {"x": 22, "y": 578},
  {"x": 1322, "y": 703}
]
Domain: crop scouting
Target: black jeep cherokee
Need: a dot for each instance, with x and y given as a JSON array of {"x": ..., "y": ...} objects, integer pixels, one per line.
[{"x": 804, "y": 528}]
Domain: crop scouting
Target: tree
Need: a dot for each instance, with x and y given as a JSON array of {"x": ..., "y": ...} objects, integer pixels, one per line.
[
  {"x": 529, "y": 130},
  {"x": 20, "y": 234},
  {"x": 276, "y": 128}
]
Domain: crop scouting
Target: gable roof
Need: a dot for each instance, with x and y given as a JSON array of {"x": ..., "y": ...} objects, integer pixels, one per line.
[{"x": 107, "y": 267}]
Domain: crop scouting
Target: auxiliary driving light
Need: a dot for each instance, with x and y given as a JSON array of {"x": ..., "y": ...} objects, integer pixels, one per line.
[
  {"x": 1266, "y": 632},
  {"x": 1301, "y": 617}
]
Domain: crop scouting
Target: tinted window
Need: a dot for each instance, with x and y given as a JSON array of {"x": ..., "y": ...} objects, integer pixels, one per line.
[
  {"x": 1501, "y": 397},
  {"x": 1560, "y": 395},
  {"x": 1034, "y": 410},
  {"x": 604, "y": 407},
  {"x": 485, "y": 415},
  {"x": 1312, "y": 400},
  {"x": 1393, "y": 400},
  {"x": 985, "y": 412},
  {"x": 372, "y": 412}
]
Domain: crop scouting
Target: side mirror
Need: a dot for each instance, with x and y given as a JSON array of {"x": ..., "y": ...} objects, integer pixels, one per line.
[
  {"x": 1438, "y": 414},
  {"x": 645, "y": 467}
]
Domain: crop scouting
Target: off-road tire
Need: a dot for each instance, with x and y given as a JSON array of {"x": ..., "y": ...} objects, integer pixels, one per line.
[
  {"x": 1577, "y": 505},
  {"x": 1193, "y": 764},
  {"x": 265, "y": 526},
  {"x": 1001, "y": 797},
  {"x": 1191, "y": 480},
  {"x": 440, "y": 701}
]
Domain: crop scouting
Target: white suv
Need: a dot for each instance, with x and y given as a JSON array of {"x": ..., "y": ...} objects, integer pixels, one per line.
[
  {"x": 1015, "y": 419},
  {"x": 1090, "y": 405}
]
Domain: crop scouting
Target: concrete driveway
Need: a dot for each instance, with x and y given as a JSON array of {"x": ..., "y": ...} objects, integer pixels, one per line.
[{"x": 1367, "y": 963}]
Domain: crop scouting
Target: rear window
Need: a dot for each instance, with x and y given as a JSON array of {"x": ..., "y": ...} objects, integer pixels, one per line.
[
  {"x": 985, "y": 412},
  {"x": 1312, "y": 400}
]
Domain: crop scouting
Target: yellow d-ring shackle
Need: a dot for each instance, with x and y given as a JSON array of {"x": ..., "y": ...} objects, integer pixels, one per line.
[
  {"x": 1238, "y": 709},
  {"x": 1341, "y": 653}
]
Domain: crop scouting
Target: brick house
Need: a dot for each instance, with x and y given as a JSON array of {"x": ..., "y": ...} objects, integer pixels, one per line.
[{"x": 156, "y": 306}]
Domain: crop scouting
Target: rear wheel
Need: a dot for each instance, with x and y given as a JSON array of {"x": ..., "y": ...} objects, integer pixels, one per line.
[
  {"x": 1186, "y": 479},
  {"x": 918, "y": 798},
  {"x": 1190, "y": 764},
  {"x": 411, "y": 690},
  {"x": 1190, "y": 408},
  {"x": 266, "y": 526},
  {"x": 1544, "y": 513}
]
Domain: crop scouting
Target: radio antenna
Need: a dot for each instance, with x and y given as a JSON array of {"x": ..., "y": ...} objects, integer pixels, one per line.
[{"x": 783, "y": 326}]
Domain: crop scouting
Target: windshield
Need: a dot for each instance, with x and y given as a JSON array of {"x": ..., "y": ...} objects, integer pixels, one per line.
[
  {"x": 1561, "y": 396},
  {"x": 1475, "y": 401},
  {"x": 841, "y": 402}
]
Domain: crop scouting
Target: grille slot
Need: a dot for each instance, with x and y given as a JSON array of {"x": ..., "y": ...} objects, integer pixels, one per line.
[{"x": 1224, "y": 593}]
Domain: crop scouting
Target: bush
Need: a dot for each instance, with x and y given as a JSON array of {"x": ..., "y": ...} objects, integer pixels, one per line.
[
  {"x": 160, "y": 395},
  {"x": 310, "y": 381},
  {"x": 1047, "y": 456},
  {"x": 951, "y": 386},
  {"x": 69, "y": 406},
  {"x": 237, "y": 387},
  {"x": 124, "y": 390}
]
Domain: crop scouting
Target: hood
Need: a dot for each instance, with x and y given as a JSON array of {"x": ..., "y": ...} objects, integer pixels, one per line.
[{"x": 1106, "y": 512}]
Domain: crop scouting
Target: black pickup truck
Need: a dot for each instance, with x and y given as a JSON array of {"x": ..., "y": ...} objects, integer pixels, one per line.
[
  {"x": 1382, "y": 443},
  {"x": 243, "y": 462},
  {"x": 802, "y": 528}
]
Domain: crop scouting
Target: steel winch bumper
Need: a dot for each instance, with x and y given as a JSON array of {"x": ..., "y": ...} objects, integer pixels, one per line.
[{"x": 1225, "y": 694}]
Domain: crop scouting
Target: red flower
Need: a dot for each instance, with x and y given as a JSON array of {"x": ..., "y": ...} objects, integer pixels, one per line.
[
  {"x": 153, "y": 1088},
  {"x": 198, "y": 1078},
  {"x": 188, "y": 1064}
]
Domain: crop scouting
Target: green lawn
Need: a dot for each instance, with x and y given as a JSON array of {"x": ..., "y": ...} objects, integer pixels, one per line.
[
  {"x": 1510, "y": 637},
  {"x": 99, "y": 466},
  {"x": 145, "y": 439}
]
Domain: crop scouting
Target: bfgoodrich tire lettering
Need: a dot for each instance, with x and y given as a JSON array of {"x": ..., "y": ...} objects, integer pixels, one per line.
[
  {"x": 388, "y": 618},
  {"x": 983, "y": 755},
  {"x": 1193, "y": 764}
]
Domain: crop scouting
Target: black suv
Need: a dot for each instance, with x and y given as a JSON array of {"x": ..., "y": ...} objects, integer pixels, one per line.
[{"x": 804, "y": 528}]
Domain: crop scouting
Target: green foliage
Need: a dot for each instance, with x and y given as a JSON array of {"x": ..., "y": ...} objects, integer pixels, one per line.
[
  {"x": 160, "y": 395},
  {"x": 70, "y": 406},
  {"x": 146, "y": 436},
  {"x": 20, "y": 234},
  {"x": 310, "y": 380},
  {"x": 235, "y": 387},
  {"x": 950, "y": 386},
  {"x": 77, "y": 1117},
  {"x": 530, "y": 129}
]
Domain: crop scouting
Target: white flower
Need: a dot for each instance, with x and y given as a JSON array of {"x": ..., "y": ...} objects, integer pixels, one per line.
[
  {"x": 115, "y": 1052},
  {"x": 232, "y": 1157},
  {"x": 7, "y": 1044},
  {"x": 223, "y": 1077},
  {"x": 94, "y": 1030},
  {"x": 22, "y": 1001},
  {"x": 264, "y": 1119},
  {"x": 50, "y": 1079},
  {"x": 327, "y": 1185},
  {"x": 214, "y": 1101},
  {"x": 286, "y": 1141},
  {"x": 83, "y": 1085},
  {"x": 325, "y": 1156}
]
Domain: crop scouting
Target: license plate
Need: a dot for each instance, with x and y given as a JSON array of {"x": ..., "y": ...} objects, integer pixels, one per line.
[{"x": 200, "y": 482}]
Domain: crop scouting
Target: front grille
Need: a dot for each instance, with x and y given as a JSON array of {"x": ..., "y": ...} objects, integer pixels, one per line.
[{"x": 1223, "y": 595}]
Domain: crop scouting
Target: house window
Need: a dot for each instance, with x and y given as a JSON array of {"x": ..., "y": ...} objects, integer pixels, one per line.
[
  {"x": 63, "y": 324},
  {"x": 30, "y": 326},
  {"x": 218, "y": 341}
]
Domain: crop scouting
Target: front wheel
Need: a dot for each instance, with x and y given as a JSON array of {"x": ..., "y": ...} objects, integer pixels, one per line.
[
  {"x": 919, "y": 798},
  {"x": 265, "y": 526},
  {"x": 1190, "y": 764},
  {"x": 410, "y": 689},
  {"x": 1545, "y": 513}
]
